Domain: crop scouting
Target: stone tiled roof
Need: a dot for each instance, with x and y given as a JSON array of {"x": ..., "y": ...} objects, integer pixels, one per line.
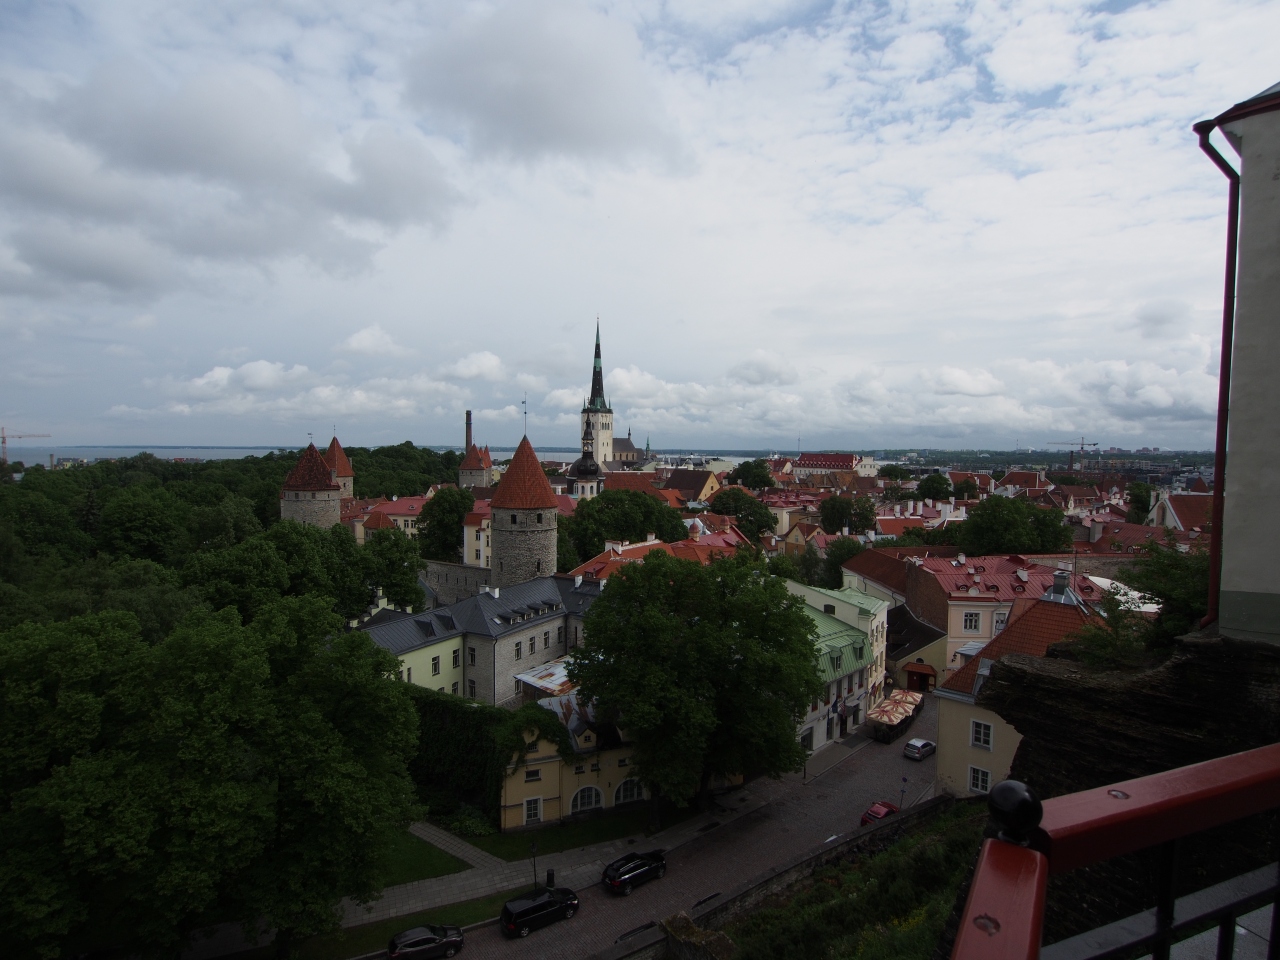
[
  {"x": 337, "y": 460},
  {"x": 311, "y": 473},
  {"x": 1043, "y": 624},
  {"x": 524, "y": 486}
]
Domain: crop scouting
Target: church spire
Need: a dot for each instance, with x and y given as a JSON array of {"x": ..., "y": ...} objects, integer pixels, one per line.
[{"x": 597, "y": 400}]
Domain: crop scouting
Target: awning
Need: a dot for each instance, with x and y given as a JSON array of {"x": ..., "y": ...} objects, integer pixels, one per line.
[{"x": 921, "y": 668}]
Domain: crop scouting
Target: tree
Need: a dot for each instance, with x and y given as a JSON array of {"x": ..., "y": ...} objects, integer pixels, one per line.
[
  {"x": 785, "y": 567},
  {"x": 838, "y": 551},
  {"x": 936, "y": 486},
  {"x": 1178, "y": 581},
  {"x": 893, "y": 493},
  {"x": 836, "y": 513},
  {"x": 1139, "y": 495},
  {"x": 709, "y": 669},
  {"x": 391, "y": 561},
  {"x": 810, "y": 565},
  {"x": 442, "y": 517},
  {"x": 753, "y": 517},
  {"x": 891, "y": 471},
  {"x": 1009, "y": 525},
  {"x": 966, "y": 489},
  {"x": 621, "y": 515},
  {"x": 754, "y": 474}
]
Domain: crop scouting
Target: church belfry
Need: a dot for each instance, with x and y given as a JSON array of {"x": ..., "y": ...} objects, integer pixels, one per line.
[{"x": 597, "y": 417}]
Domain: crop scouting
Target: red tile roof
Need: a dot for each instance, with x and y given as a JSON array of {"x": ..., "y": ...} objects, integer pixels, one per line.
[
  {"x": 1193, "y": 510},
  {"x": 604, "y": 565},
  {"x": 404, "y": 506},
  {"x": 337, "y": 460},
  {"x": 896, "y": 526},
  {"x": 524, "y": 486},
  {"x": 311, "y": 473},
  {"x": 1127, "y": 537},
  {"x": 888, "y": 565},
  {"x": 379, "y": 521},
  {"x": 1032, "y": 633},
  {"x": 629, "y": 480},
  {"x": 999, "y": 579},
  {"x": 476, "y": 459},
  {"x": 826, "y": 461}
]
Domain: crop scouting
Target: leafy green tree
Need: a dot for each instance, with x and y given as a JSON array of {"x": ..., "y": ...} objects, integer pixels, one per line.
[
  {"x": 249, "y": 576},
  {"x": 1139, "y": 495},
  {"x": 707, "y": 668},
  {"x": 784, "y": 566},
  {"x": 143, "y": 522},
  {"x": 864, "y": 514},
  {"x": 566, "y": 552},
  {"x": 391, "y": 562},
  {"x": 810, "y": 565},
  {"x": 1178, "y": 581},
  {"x": 966, "y": 489},
  {"x": 893, "y": 493},
  {"x": 754, "y": 474},
  {"x": 223, "y": 524},
  {"x": 1117, "y": 638},
  {"x": 753, "y": 517},
  {"x": 936, "y": 486},
  {"x": 836, "y": 513},
  {"x": 838, "y": 551},
  {"x": 440, "y": 529},
  {"x": 621, "y": 515},
  {"x": 891, "y": 471},
  {"x": 1050, "y": 529}
]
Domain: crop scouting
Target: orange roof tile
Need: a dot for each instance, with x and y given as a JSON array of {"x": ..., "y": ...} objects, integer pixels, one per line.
[
  {"x": 337, "y": 460},
  {"x": 379, "y": 521},
  {"x": 1192, "y": 509},
  {"x": 474, "y": 460},
  {"x": 627, "y": 480},
  {"x": 311, "y": 472},
  {"x": 1032, "y": 633},
  {"x": 524, "y": 486}
]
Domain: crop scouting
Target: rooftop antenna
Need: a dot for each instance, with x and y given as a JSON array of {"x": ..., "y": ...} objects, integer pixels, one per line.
[
  {"x": 310, "y": 440},
  {"x": 525, "y": 404}
]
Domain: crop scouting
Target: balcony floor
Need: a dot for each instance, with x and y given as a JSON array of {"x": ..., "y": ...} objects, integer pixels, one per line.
[{"x": 1253, "y": 931}]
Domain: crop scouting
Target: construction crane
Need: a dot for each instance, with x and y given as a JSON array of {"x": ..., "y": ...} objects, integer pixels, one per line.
[
  {"x": 1071, "y": 455},
  {"x": 6, "y": 437}
]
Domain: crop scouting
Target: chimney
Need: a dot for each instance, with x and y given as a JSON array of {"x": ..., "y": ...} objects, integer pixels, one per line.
[
  {"x": 1061, "y": 581},
  {"x": 577, "y": 581},
  {"x": 468, "y": 446},
  {"x": 897, "y": 509}
]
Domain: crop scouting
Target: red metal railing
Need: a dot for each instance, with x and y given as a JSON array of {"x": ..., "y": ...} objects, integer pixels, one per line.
[{"x": 1004, "y": 914}]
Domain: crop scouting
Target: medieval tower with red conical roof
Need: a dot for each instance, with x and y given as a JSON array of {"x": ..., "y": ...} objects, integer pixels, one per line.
[
  {"x": 315, "y": 488},
  {"x": 523, "y": 522}
]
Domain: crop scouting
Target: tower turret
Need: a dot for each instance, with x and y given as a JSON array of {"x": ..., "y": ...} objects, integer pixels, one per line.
[
  {"x": 596, "y": 411},
  {"x": 523, "y": 522}
]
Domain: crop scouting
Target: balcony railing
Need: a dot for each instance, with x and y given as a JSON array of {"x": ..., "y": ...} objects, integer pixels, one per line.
[{"x": 1004, "y": 914}]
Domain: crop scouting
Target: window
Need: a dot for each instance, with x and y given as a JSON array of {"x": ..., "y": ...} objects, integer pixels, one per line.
[
  {"x": 624, "y": 761},
  {"x": 829, "y": 608},
  {"x": 979, "y": 780},
  {"x": 531, "y": 775},
  {"x": 471, "y": 655},
  {"x": 980, "y": 735},
  {"x": 559, "y": 634},
  {"x": 513, "y": 520},
  {"x": 408, "y": 674},
  {"x": 517, "y": 686},
  {"x": 471, "y": 689},
  {"x": 477, "y": 536},
  {"x": 401, "y": 676},
  {"x": 539, "y": 518},
  {"x": 457, "y": 659},
  {"x": 588, "y": 798},
  {"x": 595, "y": 768},
  {"x": 533, "y": 810},
  {"x": 546, "y": 639},
  {"x": 998, "y": 622},
  {"x": 454, "y": 688},
  {"x": 580, "y": 768},
  {"x": 538, "y": 566},
  {"x": 972, "y": 622},
  {"x": 629, "y": 791},
  {"x": 435, "y": 666},
  {"x": 477, "y": 553},
  {"x": 519, "y": 649},
  {"x": 586, "y": 738}
]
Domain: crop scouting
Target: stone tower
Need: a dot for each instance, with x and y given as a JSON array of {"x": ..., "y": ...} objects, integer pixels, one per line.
[
  {"x": 523, "y": 522},
  {"x": 340, "y": 468},
  {"x": 596, "y": 414},
  {"x": 312, "y": 493},
  {"x": 586, "y": 472}
]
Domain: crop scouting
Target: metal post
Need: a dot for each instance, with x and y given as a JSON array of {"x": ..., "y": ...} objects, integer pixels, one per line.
[
  {"x": 1167, "y": 867},
  {"x": 903, "y": 796},
  {"x": 533, "y": 849}
]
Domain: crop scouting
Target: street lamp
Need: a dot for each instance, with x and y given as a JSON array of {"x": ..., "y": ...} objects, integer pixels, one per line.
[
  {"x": 901, "y": 798},
  {"x": 533, "y": 849}
]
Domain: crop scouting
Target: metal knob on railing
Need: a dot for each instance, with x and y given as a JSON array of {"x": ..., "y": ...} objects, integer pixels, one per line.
[{"x": 1016, "y": 809}]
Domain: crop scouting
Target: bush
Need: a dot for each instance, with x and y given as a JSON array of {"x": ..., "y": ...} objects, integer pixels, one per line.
[{"x": 467, "y": 821}]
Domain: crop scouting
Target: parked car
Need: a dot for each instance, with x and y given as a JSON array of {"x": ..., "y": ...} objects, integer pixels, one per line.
[
  {"x": 537, "y": 909},
  {"x": 632, "y": 870},
  {"x": 423, "y": 942},
  {"x": 878, "y": 811},
  {"x": 918, "y": 749}
]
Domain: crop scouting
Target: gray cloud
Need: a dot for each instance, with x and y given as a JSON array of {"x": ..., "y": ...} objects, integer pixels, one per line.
[{"x": 528, "y": 80}]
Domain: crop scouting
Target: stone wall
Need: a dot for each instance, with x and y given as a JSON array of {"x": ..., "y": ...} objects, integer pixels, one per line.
[
  {"x": 455, "y": 581},
  {"x": 524, "y": 549},
  {"x": 314, "y": 508}
]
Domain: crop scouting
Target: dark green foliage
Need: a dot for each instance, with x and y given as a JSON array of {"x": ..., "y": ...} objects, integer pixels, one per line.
[
  {"x": 708, "y": 668},
  {"x": 1012, "y": 525},
  {"x": 893, "y": 904},
  {"x": 401, "y": 470},
  {"x": 893, "y": 493},
  {"x": 858, "y": 514},
  {"x": 392, "y": 561},
  {"x": 440, "y": 528},
  {"x": 148, "y": 789},
  {"x": 1139, "y": 496},
  {"x": 620, "y": 515},
  {"x": 753, "y": 517},
  {"x": 753, "y": 474},
  {"x": 1178, "y": 581},
  {"x": 838, "y": 551},
  {"x": 891, "y": 471},
  {"x": 1117, "y": 640},
  {"x": 936, "y": 486},
  {"x": 966, "y": 489},
  {"x": 465, "y": 747},
  {"x": 566, "y": 552},
  {"x": 810, "y": 565},
  {"x": 785, "y": 566}
]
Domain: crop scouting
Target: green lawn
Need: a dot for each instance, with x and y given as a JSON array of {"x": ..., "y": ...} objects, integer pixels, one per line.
[
  {"x": 414, "y": 859},
  {"x": 357, "y": 941},
  {"x": 582, "y": 833}
]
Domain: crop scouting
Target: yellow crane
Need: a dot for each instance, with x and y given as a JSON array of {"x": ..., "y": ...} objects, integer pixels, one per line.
[{"x": 6, "y": 437}]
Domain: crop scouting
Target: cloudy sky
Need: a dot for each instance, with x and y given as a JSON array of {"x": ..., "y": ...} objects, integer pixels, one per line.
[{"x": 857, "y": 224}]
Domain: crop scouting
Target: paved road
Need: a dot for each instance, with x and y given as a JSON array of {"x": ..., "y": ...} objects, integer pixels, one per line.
[{"x": 800, "y": 816}]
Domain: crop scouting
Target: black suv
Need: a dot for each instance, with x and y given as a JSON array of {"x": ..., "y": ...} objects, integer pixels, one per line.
[
  {"x": 632, "y": 870},
  {"x": 423, "y": 942},
  {"x": 537, "y": 909}
]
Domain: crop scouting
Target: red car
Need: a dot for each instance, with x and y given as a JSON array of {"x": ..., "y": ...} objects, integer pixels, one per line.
[{"x": 878, "y": 811}]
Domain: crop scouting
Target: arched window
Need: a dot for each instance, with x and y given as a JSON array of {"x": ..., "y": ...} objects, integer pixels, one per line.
[
  {"x": 629, "y": 791},
  {"x": 588, "y": 798}
]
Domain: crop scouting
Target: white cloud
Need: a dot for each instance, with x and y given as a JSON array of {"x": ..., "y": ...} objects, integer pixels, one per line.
[
  {"x": 372, "y": 341},
  {"x": 481, "y": 365}
]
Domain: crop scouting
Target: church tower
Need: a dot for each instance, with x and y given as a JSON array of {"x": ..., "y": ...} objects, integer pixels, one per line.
[
  {"x": 596, "y": 415},
  {"x": 586, "y": 473},
  {"x": 523, "y": 522}
]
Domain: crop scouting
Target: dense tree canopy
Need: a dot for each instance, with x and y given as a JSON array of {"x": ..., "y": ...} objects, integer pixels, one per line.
[
  {"x": 1012, "y": 525},
  {"x": 858, "y": 514},
  {"x": 708, "y": 669},
  {"x": 440, "y": 527},
  {"x": 753, "y": 517},
  {"x": 966, "y": 489},
  {"x": 753, "y": 474},
  {"x": 1139, "y": 496},
  {"x": 838, "y": 551},
  {"x": 620, "y": 515},
  {"x": 891, "y": 471},
  {"x": 936, "y": 486},
  {"x": 147, "y": 789}
]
